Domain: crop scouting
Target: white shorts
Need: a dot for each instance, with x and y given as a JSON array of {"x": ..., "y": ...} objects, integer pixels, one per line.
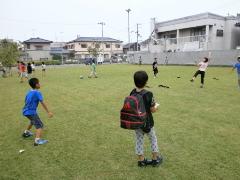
[{"x": 24, "y": 74}]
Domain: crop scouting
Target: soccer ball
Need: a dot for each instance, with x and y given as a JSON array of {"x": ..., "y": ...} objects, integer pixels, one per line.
[{"x": 81, "y": 77}]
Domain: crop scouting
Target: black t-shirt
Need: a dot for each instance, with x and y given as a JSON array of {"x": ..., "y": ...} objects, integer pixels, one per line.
[
  {"x": 148, "y": 102},
  {"x": 154, "y": 65}
]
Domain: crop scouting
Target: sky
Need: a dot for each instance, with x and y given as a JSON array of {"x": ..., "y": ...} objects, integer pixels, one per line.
[{"x": 64, "y": 20}]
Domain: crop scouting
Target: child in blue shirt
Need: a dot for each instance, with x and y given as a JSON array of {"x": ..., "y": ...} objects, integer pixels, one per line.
[
  {"x": 32, "y": 100},
  {"x": 237, "y": 65}
]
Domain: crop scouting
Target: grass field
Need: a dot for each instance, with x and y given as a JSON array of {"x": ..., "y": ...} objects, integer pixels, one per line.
[{"x": 198, "y": 129}]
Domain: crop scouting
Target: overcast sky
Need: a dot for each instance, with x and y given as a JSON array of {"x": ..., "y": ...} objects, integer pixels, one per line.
[{"x": 63, "y": 20}]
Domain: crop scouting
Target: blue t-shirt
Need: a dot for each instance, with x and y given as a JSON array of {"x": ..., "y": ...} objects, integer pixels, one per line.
[
  {"x": 237, "y": 65},
  {"x": 32, "y": 99}
]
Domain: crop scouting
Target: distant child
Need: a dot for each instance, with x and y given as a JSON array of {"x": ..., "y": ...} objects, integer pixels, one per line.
[
  {"x": 93, "y": 70},
  {"x": 43, "y": 69},
  {"x": 140, "y": 60},
  {"x": 29, "y": 70},
  {"x": 32, "y": 100},
  {"x": 18, "y": 68},
  {"x": 237, "y": 65},
  {"x": 201, "y": 70},
  {"x": 155, "y": 68},
  {"x": 33, "y": 68},
  {"x": 140, "y": 80},
  {"x": 23, "y": 73}
]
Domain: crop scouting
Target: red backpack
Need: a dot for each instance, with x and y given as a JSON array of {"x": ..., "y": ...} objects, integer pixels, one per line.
[{"x": 133, "y": 113}]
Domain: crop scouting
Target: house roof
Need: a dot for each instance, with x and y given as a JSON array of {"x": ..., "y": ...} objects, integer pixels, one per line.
[
  {"x": 206, "y": 15},
  {"x": 128, "y": 45},
  {"x": 95, "y": 39},
  {"x": 37, "y": 40}
]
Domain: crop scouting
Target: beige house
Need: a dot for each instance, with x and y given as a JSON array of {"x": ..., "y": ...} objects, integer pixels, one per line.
[
  {"x": 37, "y": 49},
  {"x": 106, "y": 46}
]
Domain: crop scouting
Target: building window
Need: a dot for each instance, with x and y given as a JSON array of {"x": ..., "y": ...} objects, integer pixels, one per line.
[
  {"x": 219, "y": 33},
  {"x": 117, "y": 45},
  {"x": 39, "y": 47},
  {"x": 83, "y": 45},
  {"x": 107, "y": 45},
  {"x": 28, "y": 46}
]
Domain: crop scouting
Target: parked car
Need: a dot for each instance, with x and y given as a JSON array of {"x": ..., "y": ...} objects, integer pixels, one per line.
[
  {"x": 88, "y": 61},
  {"x": 116, "y": 59}
]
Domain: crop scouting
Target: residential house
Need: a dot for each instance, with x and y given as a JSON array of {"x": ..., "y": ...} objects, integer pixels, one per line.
[
  {"x": 131, "y": 47},
  {"x": 106, "y": 46},
  {"x": 37, "y": 49},
  {"x": 206, "y": 31},
  {"x": 59, "y": 49}
]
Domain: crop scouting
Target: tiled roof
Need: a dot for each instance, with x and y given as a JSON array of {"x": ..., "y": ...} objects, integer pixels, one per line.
[
  {"x": 37, "y": 40},
  {"x": 96, "y": 39}
]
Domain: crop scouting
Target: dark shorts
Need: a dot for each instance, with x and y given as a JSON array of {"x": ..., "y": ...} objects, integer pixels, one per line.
[{"x": 35, "y": 120}]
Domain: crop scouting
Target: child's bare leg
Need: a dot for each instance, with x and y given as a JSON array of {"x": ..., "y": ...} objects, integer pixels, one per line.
[
  {"x": 29, "y": 127},
  {"x": 140, "y": 157},
  {"x": 38, "y": 133}
]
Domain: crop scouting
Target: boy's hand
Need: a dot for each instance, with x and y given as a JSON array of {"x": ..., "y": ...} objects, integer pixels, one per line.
[{"x": 50, "y": 114}]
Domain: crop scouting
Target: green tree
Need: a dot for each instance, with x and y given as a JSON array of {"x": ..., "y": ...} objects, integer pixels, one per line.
[
  {"x": 9, "y": 53},
  {"x": 94, "y": 51}
]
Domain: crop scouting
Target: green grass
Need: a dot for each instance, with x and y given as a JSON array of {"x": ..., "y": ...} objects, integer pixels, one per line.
[{"x": 198, "y": 130}]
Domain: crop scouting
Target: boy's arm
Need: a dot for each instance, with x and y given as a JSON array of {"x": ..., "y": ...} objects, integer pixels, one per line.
[{"x": 50, "y": 114}]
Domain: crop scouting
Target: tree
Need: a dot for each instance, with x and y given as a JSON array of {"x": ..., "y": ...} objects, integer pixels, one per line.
[
  {"x": 94, "y": 51},
  {"x": 9, "y": 53}
]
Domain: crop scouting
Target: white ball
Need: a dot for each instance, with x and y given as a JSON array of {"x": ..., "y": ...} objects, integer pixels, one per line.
[{"x": 81, "y": 77}]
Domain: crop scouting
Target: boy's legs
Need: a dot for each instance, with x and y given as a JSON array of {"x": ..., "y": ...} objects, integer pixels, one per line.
[
  {"x": 239, "y": 81},
  {"x": 154, "y": 145},
  {"x": 139, "y": 144},
  {"x": 36, "y": 121},
  {"x": 195, "y": 75},
  {"x": 202, "y": 77}
]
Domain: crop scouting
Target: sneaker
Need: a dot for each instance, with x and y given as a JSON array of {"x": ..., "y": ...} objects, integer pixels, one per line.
[
  {"x": 144, "y": 163},
  {"x": 157, "y": 162},
  {"x": 40, "y": 142},
  {"x": 191, "y": 80},
  {"x": 27, "y": 134}
]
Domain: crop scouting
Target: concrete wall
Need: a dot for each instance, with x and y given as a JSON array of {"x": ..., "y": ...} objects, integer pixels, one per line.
[
  {"x": 223, "y": 57},
  {"x": 38, "y": 55}
]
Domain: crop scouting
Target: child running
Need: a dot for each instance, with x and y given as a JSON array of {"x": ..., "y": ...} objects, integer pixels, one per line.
[
  {"x": 201, "y": 70},
  {"x": 32, "y": 99},
  {"x": 155, "y": 68},
  {"x": 237, "y": 65},
  {"x": 140, "y": 80}
]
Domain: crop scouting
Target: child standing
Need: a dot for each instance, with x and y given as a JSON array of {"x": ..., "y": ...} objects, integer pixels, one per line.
[
  {"x": 140, "y": 80},
  {"x": 33, "y": 68},
  {"x": 93, "y": 70},
  {"x": 155, "y": 68},
  {"x": 237, "y": 65},
  {"x": 201, "y": 70},
  {"x": 29, "y": 70},
  {"x": 32, "y": 100},
  {"x": 23, "y": 73},
  {"x": 43, "y": 69}
]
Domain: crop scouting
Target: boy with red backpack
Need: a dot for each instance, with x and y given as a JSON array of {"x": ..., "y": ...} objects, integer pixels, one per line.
[{"x": 137, "y": 110}]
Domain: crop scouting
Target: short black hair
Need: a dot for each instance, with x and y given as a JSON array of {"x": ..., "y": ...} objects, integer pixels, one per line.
[
  {"x": 206, "y": 59},
  {"x": 32, "y": 82},
  {"x": 140, "y": 78}
]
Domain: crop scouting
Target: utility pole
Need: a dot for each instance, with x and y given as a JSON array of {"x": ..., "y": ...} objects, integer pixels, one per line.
[
  {"x": 128, "y": 11},
  {"x": 137, "y": 35},
  {"x": 102, "y": 23}
]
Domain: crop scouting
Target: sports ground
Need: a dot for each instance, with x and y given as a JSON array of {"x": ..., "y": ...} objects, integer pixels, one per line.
[{"x": 198, "y": 129}]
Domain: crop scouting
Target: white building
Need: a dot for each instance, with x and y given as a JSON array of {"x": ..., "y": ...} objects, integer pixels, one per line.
[
  {"x": 199, "y": 32},
  {"x": 37, "y": 49}
]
